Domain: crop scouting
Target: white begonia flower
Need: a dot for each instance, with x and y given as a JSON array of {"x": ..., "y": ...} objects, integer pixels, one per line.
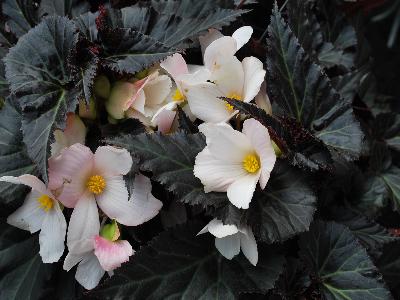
[
  {"x": 229, "y": 239},
  {"x": 95, "y": 254},
  {"x": 40, "y": 211},
  {"x": 228, "y": 77},
  {"x": 234, "y": 161},
  {"x": 262, "y": 99},
  {"x": 74, "y": 132}
]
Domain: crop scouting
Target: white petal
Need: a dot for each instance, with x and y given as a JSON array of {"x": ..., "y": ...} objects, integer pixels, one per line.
[
  {"x": 71, "y": 260},
  {"x": 215, "y": 174},
  {"x": 32, "y": 181},
  {"x": 205, "y": 104},
  {"x": 140, "y": 101},
  {"x": 175, "y": 65},
  {"x": 89, "y": 272},
  {"x": 200, "y": 75},
  {"x": 249, "y": 245},
  {"x": 262, "y": 99},
  {"x": 134, "y": 114},
  {"x": 225, "y": 143},
  {"x": 29, "y": 216},
  {"x": 110, "y": 161},
  {"x": 259, "y": 137},
  {"x": 217, "y": 51},
  {"x": 228, "y": 246},
  {"x": 52, "y": 235},
  {"x": 114, "y": 200},
  {"x": 242, "y": 35},
  {"x": 254, "y": 76},
  {"x": 143, "y": 205},
  {"x": 229, "y": 77},
  {"x": 84, "y": 225},
  {"x": 208, "y": 38},
  {"x": 241, "y": 191},
  {"x": 164, "y": 117},
  {"x": 219, "y": 230}
]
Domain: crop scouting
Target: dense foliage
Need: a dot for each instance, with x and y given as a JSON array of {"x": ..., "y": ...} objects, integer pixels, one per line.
[{"x": 327, "y": 224}]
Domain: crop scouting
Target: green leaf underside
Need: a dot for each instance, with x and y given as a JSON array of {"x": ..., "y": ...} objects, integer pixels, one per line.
[
  {"x": 171, "y": 159},
  {"x": 14, "y": 160},
  {"x": 285, "y": 208},
  {"x": 301, "y": 88},
  {"x": 43, "y": 92},
  {"x": 341, "y": 265},
  {"x": 180, "y": 265},
  {"x": 23, "y": 274}
]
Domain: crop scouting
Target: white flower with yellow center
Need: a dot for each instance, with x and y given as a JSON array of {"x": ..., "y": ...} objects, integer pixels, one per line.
[
  {"x": 40, "y": 211},
  {"x": 228, "y": 77},
  {"x": 229, "y": 239},
  {"x": 233, "y": 161}
]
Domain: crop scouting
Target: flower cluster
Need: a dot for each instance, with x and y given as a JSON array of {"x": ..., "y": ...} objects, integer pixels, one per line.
[
  {"x": 92, "y": 184},
  {"x": 84, "y": 181}
]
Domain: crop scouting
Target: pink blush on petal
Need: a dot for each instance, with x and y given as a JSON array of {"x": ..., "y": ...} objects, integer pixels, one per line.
[{"x": 111, "y": 254}]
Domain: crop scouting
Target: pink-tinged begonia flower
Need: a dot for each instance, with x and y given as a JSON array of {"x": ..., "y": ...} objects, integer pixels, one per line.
[
  {"x": 228, "y": 77},
  {"x": 95, "y": 253},
  {"x": 74, "y": 132},
  {"x": 229, "y": 239},
  {"x": 40, "y": 211},
  {"x": 233, "y": 161}
]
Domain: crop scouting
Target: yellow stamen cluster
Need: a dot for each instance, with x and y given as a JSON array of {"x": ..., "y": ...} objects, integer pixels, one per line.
[
  {"x": 45, "y": 203},
  {"x": 251, "y": 163},
  {"x": 96, "y": 184},
  {"x": 178, "y": 96},
  {"x": 232, "y": 96}
]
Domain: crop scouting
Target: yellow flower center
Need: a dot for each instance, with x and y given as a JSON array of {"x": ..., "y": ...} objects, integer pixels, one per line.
[
  {"x": 96, "y": 184},
  {"x": 45, "y": 203},
  {"x": 232, "y": 96},
  {"x": 251, "y": 163},
  {"x": 178, "y": 96}
]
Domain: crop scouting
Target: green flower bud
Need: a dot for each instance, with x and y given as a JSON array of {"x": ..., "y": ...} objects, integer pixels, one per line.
[
  {"x": 278, "y": 151},
  {"x": 110, "y": 231},
  {"x": 102, "y": 87},
  {"x": 121, "y": 93}
]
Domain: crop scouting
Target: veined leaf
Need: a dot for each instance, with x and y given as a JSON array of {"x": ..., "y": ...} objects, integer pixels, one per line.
[
  {"x": 341, "y": 266},
  {"x": 171, "y": 159},
  {"x": 285, "y": 208},
  {"x": 304, "y": 92},
  {"x": 14, "y": 160},
  {"x": 389, "y": 265},
  {"x": 22, "y": 15},
  {"x": 180, "y": 265},
  {"x": 63, "y": 7},
  {"x": 40, "y": 78},
  {"x": 391, "y": 178}
]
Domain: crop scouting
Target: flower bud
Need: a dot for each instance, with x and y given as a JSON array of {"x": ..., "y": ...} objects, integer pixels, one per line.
[
  {"x": 121, "y": 94},
  {"x": 110, "y": 231},
  {"x": 102, "y": 87}
]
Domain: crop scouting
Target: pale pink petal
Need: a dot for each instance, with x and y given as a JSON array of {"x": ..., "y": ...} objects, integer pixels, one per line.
[
  {"x": 241, "y": 191},
  {"x": 205, "y": 104},
  {"x": 228, "y": 246},
  {"x": 114, "y": 200},
  {"x": 219, "y": 230},
  {"x": 242, "y": 36},
  {"x": 175, "y": 65},
  {"x": 69, "y": 172},
  {"x": 144, "y": 206},
  {"x": 216, "y": 175},
  {"x": 112, "y": 254},
  {"x": 262, "y": 99},
  {"x": 156, "y": 91},
  {"x": 248, "y": 245},
  {"x": 229, "y": 78},
  {"x": 259, "y": 137},
  {"x": 110, "y": 161},
  {"x": 29, "y": 216},
  {"x": 139, "y": 86},
  {"x": 32, "y": 181},
  {"x": 225, "y": 143},
  {"x": 164, "y": 118},
  {"x": 139, "y": 103},
  {"x": 219, "y": 50},
  {"x": 121, "y": 98},
  {"x": 52, "y": 235},
  {"x": 84, "y": 225},
  {"x": 89, "y": 271},
  {"x": 254, "y": 76},
  {"x": 208, "y": 38}
]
